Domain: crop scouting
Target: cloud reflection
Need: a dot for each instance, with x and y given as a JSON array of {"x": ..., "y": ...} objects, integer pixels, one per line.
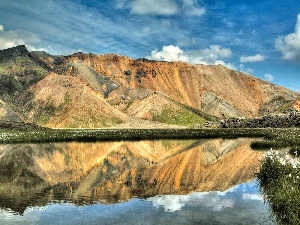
[{"x": 213, "y": 200}]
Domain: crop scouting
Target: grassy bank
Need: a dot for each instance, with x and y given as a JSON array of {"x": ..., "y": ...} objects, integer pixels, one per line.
[
  {"x": 92, "y": 135},
  {"x": 270, "y": 138},
  {"x": 279, "y": 179},
  {"x": 279, "y": 138}
]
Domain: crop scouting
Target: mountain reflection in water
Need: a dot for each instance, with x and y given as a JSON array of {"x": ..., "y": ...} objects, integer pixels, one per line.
[{"x": 111, "y": 172}]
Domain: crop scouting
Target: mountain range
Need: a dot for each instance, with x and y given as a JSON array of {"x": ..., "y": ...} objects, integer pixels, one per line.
[{"x": 94, "y": 91}]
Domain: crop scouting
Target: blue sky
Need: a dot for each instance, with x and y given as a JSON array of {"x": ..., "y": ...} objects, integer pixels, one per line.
[{"x": 261, "y": 38}]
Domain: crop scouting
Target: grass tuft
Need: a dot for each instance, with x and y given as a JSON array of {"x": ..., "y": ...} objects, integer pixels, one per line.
[{"x": 279, "y": 179}]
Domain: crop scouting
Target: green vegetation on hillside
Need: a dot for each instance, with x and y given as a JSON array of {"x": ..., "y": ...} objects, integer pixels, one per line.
[
  {"x": 22, "y": 66},
  {"x": 180, "y": 117},
  {"x": 95, "y": 121},
  {"x": 19, "y": 73}
]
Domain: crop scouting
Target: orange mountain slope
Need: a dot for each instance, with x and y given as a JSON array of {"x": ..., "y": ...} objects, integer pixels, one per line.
[{"x": 92, "y": 91}]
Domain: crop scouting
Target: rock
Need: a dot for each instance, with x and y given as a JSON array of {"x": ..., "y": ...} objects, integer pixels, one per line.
[
  {"x": 290, "y": 119},
  {"x": 127, "y": 72},
  {"x": 19, "y": 50},
  {"x": 13, "y": 125},
  {"x": 141, "y": 73}
]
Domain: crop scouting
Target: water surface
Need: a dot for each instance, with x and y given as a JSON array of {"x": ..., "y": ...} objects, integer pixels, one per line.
[{"x": 145, "y": 182}]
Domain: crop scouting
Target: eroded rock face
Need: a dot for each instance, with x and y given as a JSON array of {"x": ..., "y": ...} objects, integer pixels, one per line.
[
  {"x": 140, "y": 88},
  {"x": 214, "y": 105},
  {"x": 19, "y": 50},
  {"x": 216, "y": 90}
]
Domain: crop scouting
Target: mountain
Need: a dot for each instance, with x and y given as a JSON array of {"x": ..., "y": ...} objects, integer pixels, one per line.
[{"x": 89, "y": 91}]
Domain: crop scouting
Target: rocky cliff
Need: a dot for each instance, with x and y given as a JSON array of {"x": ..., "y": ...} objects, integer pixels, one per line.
[
  {"x": 87, "y": 90},
  {"x": 216, "y": 90}
]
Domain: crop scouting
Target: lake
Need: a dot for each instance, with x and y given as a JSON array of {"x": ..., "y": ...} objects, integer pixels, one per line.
[{"x": 143, "y": 182}]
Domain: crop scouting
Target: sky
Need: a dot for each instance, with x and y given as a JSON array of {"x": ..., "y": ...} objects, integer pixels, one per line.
[{"x": 258, "y": 37}]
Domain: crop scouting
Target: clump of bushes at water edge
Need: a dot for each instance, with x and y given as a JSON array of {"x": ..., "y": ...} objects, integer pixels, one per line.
[{"x": 279, "y": 179}]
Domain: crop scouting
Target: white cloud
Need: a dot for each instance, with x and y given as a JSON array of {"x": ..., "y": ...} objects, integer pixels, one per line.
[
  {"x": 269, "y": 77},
  {"x": 254, "y": 58},
  {"x": 58, "y": 29},
  {"x": 13, "y": 38},
  {"x": 156, "y": 7},
  {"x": 192, "y": 8},
  {"x": 289, "y": 45},
  {"x": 210, "y": 56},
  {"x": 254, "y": 197},
  {"x": 214, "y": 200},
  {"x": 169, "y": 53},
  {"x": 162, "y": 7}
]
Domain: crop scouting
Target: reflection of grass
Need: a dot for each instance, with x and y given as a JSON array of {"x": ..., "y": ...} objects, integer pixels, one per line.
[
  {"x": 279, "y": 178},
  {"x": 279, "y": 138}
]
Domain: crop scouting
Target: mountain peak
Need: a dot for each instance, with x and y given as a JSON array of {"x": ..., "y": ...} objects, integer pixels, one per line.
[{"x": 19, "y": 50}]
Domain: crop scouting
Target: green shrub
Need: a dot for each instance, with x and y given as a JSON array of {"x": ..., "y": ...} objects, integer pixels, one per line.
[
  {"x": 279, "y": 179},
  {"x": 295, "y": 151}
]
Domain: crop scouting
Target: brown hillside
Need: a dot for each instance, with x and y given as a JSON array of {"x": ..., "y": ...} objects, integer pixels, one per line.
[
  {"x": 87, "y": 90},
  {"x": 64, "y": 101},
  {"x": 216, "y": 90}
]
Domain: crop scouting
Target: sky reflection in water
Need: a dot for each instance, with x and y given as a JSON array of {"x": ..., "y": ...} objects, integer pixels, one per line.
[
  {"x": 241, "y": 204},
  {"x": 69, "y": 183}
]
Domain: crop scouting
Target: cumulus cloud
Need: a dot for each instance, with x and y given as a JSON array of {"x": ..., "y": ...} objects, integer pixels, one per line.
[
  {"x": 208, "y": 56},
  {"x": 254, "y": 58},
  {"x": 214, "y": 200},
  {"x": 169, "y": 53},
  {"x": 269, "y": 77},
  {"x": 289, "y": 45},
  {"x": 13, "y": 38}
]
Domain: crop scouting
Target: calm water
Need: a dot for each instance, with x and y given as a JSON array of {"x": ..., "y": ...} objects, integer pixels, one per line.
[{"x": 146, "y": 182}]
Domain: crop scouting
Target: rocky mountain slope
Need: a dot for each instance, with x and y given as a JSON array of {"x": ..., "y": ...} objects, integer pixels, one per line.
[{"x": 87, "y": 90}]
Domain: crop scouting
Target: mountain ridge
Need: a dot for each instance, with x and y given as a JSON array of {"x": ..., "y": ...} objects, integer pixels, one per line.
[{"x": 91, "y": 91}]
